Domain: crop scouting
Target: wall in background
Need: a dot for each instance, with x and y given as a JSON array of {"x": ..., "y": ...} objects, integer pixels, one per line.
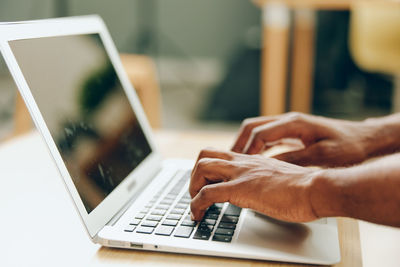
[
  {"x": 175, "y": 28},
  {"x": 193, "y": 42}
]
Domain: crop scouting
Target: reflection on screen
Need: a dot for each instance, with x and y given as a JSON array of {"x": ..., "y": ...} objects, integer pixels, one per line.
[{"x": 86, "y": 110}]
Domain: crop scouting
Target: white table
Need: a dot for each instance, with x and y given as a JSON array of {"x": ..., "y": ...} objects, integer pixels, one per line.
[
  {"x": 39, "y": 225},
  {"x": 33, "y": 203}
]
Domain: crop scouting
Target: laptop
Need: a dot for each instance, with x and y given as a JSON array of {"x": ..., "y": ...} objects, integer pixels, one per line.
[{"x": 69, "y": 73}]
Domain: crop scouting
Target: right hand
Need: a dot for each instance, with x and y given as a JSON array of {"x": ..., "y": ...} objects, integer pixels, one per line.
[
  {"x": 275, "y": 188},
  {"x": 327, "y": 142}
]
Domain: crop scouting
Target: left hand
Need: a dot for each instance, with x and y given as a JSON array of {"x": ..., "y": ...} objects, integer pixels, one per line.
[{"x": 275, "y": 188}]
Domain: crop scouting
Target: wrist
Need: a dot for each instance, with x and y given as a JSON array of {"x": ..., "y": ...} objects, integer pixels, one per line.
[
  {"x": 325, "y": 194},
  {"x": 383, "y": 135}
]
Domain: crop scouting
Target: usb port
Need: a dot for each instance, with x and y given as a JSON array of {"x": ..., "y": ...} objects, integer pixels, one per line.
[{"x": 136, "y": 245}]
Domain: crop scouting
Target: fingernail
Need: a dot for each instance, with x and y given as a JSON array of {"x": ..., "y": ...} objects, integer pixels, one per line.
[{"x": 191, "y": 216}]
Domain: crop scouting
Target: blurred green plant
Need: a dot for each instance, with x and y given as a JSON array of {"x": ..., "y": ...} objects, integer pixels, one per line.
[{"x": 96, "y": 87}]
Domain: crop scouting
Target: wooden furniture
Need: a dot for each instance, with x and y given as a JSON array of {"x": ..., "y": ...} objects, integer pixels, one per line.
[
  {"x": 275, "y": 67},
  {"x": 143, "y": 75},
  {"x": 375, "y": 40},
  {"x": 40, "y": 227}
]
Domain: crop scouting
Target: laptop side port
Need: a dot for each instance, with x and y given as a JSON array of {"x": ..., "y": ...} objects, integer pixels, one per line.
[
  {"x": 136, "y": 245},
  {"x": 116, "y": 243}
]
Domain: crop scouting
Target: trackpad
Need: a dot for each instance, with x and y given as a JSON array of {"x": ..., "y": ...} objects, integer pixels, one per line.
[{"x": 261, "y": 231}]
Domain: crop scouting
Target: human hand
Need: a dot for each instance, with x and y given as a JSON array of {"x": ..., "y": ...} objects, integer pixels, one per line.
[
  {"x": 327, "y": 142},
  {"x": 275, "y": 188}
]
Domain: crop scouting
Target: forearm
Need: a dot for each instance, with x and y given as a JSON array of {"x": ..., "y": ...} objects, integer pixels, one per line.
[
  {"x": 384, "y": 135},
  {"x": 370, "y": 191}
]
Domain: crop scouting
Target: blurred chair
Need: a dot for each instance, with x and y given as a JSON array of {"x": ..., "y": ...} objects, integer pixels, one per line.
[
  {"x": 142, "y": 73},
  {"x": 375, "y": 39}
]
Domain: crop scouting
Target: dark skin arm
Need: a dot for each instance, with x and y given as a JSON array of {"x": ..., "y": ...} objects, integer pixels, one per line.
[
  {"x": 294, "y": 193},
  {"x": 327, "y": 142}
]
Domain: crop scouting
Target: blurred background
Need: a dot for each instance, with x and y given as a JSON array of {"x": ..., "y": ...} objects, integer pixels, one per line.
[{"x": 212, "y": 58}]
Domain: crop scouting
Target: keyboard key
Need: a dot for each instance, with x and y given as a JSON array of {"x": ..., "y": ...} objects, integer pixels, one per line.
[
  {"x": 162, "y": 207},
  {"x": 227, "y": 225},
  {"x": 233, "y": 210},
  {"x": 201, "y": 234},
  {"x": 181, "y": 206},
  {"x": 222, "y": 238},
  {"x": 213, "y": 211},
  {"x": 140, "y": 216},
  {"x": 130, "y": 228},
  {"x": 209, "y": 221},
  {"x": 174, "y": 217},
  {"x": 222, "y": 231},
  {"x": 183, "y": 231},
  {"x": 145, "y": 210},
  {"x": 167, "y": 202},
  {"x": 156, "y": 218},
  {"x": 135, "y": 222},
  {"x": 170, "y": 196},
  {"x": 219, "y": 205},
  {"x": 144, "y": 230},
  {"x": 214, "y": 207},
  {"x": 185, "y": 201},
  {"x": 229, "y": 219},
  {"x": 170, "y": 222},
  {"x": 158, "y": 212},
  {"x": 177, "y": 189},
  {"x": 186, "y": 197},
  {"x": 177, "y": 211},
  {"x": 149, "y": 223},
  {"x": 206, "y": 227},
  {"x": 189, "y": 223},
  {"x": 164, "y": 230},
  {"x": 148, "y": 205},
  {"x": 211, "y": 216}
]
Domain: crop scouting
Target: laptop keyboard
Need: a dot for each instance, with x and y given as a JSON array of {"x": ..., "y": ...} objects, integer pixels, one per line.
[{"x": 170, "y": 216}]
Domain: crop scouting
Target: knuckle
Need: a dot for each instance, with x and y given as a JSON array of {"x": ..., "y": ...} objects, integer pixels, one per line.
[
  {"x": 207, "y": 152},
  {"x": 248, "y": 123},
  {"x": 203, "y": 153},
  {"x": 326, "y": 149},
  {"x": 205, "y": 192},
  {"x": 293, "y": 113},
  {"x": 296, "y": 116},
  {"x": 202, "y": 163}
]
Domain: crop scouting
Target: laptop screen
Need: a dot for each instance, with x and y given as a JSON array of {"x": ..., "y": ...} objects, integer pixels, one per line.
[{"x": 86, "y": 110}]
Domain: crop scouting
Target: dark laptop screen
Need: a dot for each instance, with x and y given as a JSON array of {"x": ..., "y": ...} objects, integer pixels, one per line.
[{"x": 86, "y": 110}]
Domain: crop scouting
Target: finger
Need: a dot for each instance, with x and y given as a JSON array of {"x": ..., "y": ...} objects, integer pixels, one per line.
[
  {"x": 304, "y": 157},
  {"x": 292, "y": 127},
  {"x": 209, "y": 171},
  {"x": 214, "y": 153},
  {"x": 245, "y": 131},
  {"x": 208, "y": 195}
]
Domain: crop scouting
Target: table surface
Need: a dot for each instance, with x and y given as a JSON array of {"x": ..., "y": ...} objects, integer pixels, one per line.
[{"x": 40, "y": 227}]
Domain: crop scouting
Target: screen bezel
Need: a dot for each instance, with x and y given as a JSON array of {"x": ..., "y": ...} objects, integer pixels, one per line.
[{"x": 139, "y": 177}]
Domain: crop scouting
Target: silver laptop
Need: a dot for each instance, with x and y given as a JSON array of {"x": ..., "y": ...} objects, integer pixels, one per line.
[{"x": 71, "y": 78}]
